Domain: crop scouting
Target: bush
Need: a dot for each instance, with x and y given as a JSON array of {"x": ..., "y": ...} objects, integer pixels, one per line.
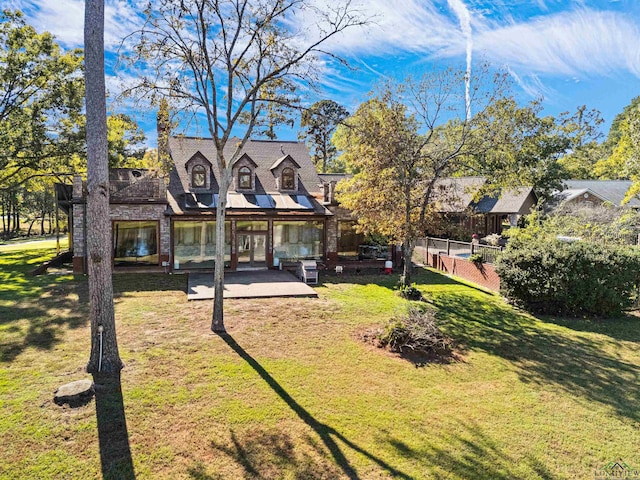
[
  {"x": 571, "y": 279},
  {"x": 410, "y": 292},
  {"x": 476, "y": 258},
  {"x": 417, "y": 331}
]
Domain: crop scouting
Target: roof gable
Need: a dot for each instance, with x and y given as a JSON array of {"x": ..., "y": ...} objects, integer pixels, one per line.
[
  {"x": 612, "y": 191},
  {"x": 285, "y": 159},
  {"x": 198, "y": 157}
]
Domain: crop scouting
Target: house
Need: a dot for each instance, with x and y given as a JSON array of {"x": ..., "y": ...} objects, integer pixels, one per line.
[
  {"x": 595, "y": 192},
  {"x": 279, "y": 210},
  {"x": 489, "y": 214}
]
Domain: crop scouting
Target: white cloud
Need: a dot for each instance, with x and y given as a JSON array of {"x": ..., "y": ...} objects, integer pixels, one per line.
[
  {"x": 65, "y": 19},
  {"x": 580, "y": 42},
  {"x": 412, "y": 25}
]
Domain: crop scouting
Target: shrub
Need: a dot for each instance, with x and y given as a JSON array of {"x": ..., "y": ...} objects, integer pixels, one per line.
[
  {"x": 476, "y": 258},
  {"x": 572, "y": 279},
  {"x": 417, "y": 331},
  {"x": 410, "y": 292}
]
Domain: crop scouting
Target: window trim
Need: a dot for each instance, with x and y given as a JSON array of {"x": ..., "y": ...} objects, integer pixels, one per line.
[
  {"x": 196, "y": 170},
  {"x": 245, "y": 172},
  {"x": 292, "y": 176}
]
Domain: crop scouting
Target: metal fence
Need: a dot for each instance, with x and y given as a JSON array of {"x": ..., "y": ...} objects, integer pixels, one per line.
[{"x": 429, "y": 246}]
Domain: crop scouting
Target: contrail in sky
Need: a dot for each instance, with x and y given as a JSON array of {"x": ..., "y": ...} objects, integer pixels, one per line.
[{"x": 464, "y": 18}]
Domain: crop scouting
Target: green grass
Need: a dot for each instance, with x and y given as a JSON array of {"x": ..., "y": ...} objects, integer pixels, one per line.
[{"x": 293, "y": 393}]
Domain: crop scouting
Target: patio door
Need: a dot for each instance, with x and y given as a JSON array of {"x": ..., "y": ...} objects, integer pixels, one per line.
[{"x": 252, "y": 251}]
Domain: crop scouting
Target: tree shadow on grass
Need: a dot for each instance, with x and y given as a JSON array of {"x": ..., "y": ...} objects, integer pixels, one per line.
[
  {"x": 543, "y": 355},
  {"x": 329, "y": 436},
  {"x": 33, "y": 320},
  {"x": 115, "y": 452},
  {"x": 471, "y": 453},
  {"x": 272, "y": 454},
  {"x": 626, "y": 328}
]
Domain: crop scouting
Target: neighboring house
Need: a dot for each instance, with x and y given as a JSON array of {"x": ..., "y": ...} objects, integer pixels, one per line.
[
  {"x": 489, "y": 214},
  {"x": 279, "y": 210},
  {"x": 595, "y": 192}
]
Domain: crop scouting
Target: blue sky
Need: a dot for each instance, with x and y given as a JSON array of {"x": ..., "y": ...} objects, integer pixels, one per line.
[{"x": 571, "y": 53}]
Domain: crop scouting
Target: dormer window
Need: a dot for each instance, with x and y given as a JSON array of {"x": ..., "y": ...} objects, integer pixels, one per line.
[
  {"x": 244, "y": 178},
  {"x": 285, "y": 172},
  {"x": 288, "y": 179},
  {"x": 199, "y": 176}
]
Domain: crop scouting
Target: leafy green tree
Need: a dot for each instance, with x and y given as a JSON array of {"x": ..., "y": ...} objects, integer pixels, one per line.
[
  {"x": 398, "y": 150},
  {"x": 525, "y": 148},
  {"x": 279, "y": 101},
  {"x": 125, "y": 141},
  {"x": 607, "y": 224},
  {"x": 318, "y": 124},
  {"x": 615, "y": 131},
  {"x": 41, "y": 96},
  {"x": 624, "y": 140},
  {"x": 586, "y": 150},
  {"x": 228, "y": 60}
]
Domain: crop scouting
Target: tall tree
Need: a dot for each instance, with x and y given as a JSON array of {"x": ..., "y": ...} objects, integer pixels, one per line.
[
  {"x": 41, "y": 95},
  {"x": 104, "y": 346},
  {"x": 586, "y": 150},
  {"x": 526, "y": 148},
  {"x": 318, "y": 124},
  {"x": 615, "y": 131},
  {"x": 624, "y": 161},
  {"x": 227, "y": 60},
  {"x": 125, "y": 140},
  {"x": 398, "y": 148}
]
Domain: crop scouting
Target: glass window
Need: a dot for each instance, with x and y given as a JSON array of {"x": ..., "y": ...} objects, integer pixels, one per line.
[
  {"x": 288, "y": 179},
  {"x": 194, "y": 244},
  {"x": 135, "y": 243},
  {"x": 348, "y": 241},
  {"x": 251, "y": 225},
  {"x": 244, "y": 177},
  {"x": 298, "y": 240},
  {"x": 198, "y": 176}
]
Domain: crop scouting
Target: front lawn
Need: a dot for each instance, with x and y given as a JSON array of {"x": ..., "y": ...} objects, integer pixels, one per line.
[{"x": 292, "y": 392}]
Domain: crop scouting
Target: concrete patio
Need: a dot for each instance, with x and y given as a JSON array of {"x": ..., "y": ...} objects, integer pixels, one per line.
[{"x": 249, "y": 284}]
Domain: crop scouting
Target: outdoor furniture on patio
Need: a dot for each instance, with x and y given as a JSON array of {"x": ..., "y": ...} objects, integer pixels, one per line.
[{"x": 308, "y": 271}]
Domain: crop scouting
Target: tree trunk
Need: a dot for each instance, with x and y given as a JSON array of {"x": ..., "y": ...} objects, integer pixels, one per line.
[
  {"x": 217, "y": 320},
  {"x": 42, "y": 219},
  {"x": 31, "y": 226},
  {"x": 104, "y": 346},
  {"x": 407, "y": 269},
  {"x": 9, "y": 213},
  {"x": 16, "y": 217},
  {"x": 4, "y": 223}
]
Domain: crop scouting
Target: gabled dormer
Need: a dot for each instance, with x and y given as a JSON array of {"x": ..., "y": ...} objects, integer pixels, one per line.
[
  {"x": 285, "y": 171},
  {"x": 244, "y": 174},
  {"x": 199, "y": 173}
]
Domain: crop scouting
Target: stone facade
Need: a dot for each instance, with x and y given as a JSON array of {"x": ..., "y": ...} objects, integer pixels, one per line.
[{"x": 339, "y": 214}]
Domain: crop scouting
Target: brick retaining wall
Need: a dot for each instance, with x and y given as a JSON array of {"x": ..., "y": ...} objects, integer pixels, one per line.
[{"x": 484, "y": 274}]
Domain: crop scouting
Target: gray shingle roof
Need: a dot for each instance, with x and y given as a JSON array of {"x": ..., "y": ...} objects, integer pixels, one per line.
[
  {"x": 265, "y": 154},
  {"x": 609, "y": 190},
  {"x": 455, "y": 195},
  {"x": 516, "y": 200}
]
